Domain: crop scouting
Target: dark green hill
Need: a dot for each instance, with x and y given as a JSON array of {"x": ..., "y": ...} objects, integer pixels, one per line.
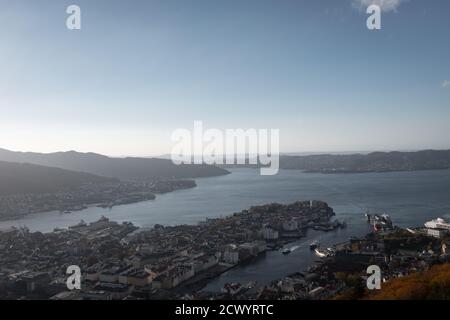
[{"x": 28, "y": 178}]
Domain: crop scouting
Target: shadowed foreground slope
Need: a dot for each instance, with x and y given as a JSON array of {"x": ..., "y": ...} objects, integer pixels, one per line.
[
  {"x": 29, "y": 178},
  {"x": 431, "y": 284}
]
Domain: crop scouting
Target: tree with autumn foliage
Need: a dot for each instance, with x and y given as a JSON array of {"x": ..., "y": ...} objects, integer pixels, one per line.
[{"x": 431, "y": 284}]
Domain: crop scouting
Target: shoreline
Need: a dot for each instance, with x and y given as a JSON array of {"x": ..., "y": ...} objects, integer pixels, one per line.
[{"x": 93, "y": 205}]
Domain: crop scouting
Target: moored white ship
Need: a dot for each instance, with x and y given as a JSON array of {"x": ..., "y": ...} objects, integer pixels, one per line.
[
  {"x": 438, "y": 223},
  {"x": 321, "y": 253}
]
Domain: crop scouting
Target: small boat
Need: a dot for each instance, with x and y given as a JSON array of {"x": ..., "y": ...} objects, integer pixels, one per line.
[
  {"x": 233, "y": 288},
  {"x": 313, "y": 245},
  {"x": 321, "y": 253}
]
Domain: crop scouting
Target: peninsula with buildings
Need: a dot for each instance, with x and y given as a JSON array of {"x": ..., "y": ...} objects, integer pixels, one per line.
[{"x": 121, "y": 261}]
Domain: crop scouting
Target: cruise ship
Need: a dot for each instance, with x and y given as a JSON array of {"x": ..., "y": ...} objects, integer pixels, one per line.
[{"x": 438, "y": 223}]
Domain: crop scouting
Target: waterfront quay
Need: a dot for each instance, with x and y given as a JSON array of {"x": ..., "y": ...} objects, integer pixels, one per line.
[
  {"x": 120, "y": 261},
  {"x": 343, "y": 275}
]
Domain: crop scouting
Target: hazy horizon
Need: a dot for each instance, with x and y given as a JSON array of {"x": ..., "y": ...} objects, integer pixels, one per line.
[{"x": 288, "y": 153}]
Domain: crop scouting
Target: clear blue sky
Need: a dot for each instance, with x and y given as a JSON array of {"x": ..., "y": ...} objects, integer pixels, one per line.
[{"x": 140, "y": 69}]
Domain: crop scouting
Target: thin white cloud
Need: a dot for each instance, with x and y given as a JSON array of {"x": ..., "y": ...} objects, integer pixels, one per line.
[
  {"x": 446, "y": 84},
  {"x": 385, "y": 5}
]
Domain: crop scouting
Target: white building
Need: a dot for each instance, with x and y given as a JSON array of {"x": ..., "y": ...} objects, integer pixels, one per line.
[
  {"x": 270, "y": 234},
  {"x": 290, "y": 225},
  {"x": 437, "y": 233},
  {"x": 231, "y": 254},
  {"x": 204, "y": 263}
]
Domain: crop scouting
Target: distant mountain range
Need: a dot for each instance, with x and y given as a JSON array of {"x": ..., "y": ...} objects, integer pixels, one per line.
[
  {"x": 121, "y": 168},
  {"x": 372, "y": 162},
  {"x": 22, "y": 172},
  {"x": 28, "y": 178}
]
